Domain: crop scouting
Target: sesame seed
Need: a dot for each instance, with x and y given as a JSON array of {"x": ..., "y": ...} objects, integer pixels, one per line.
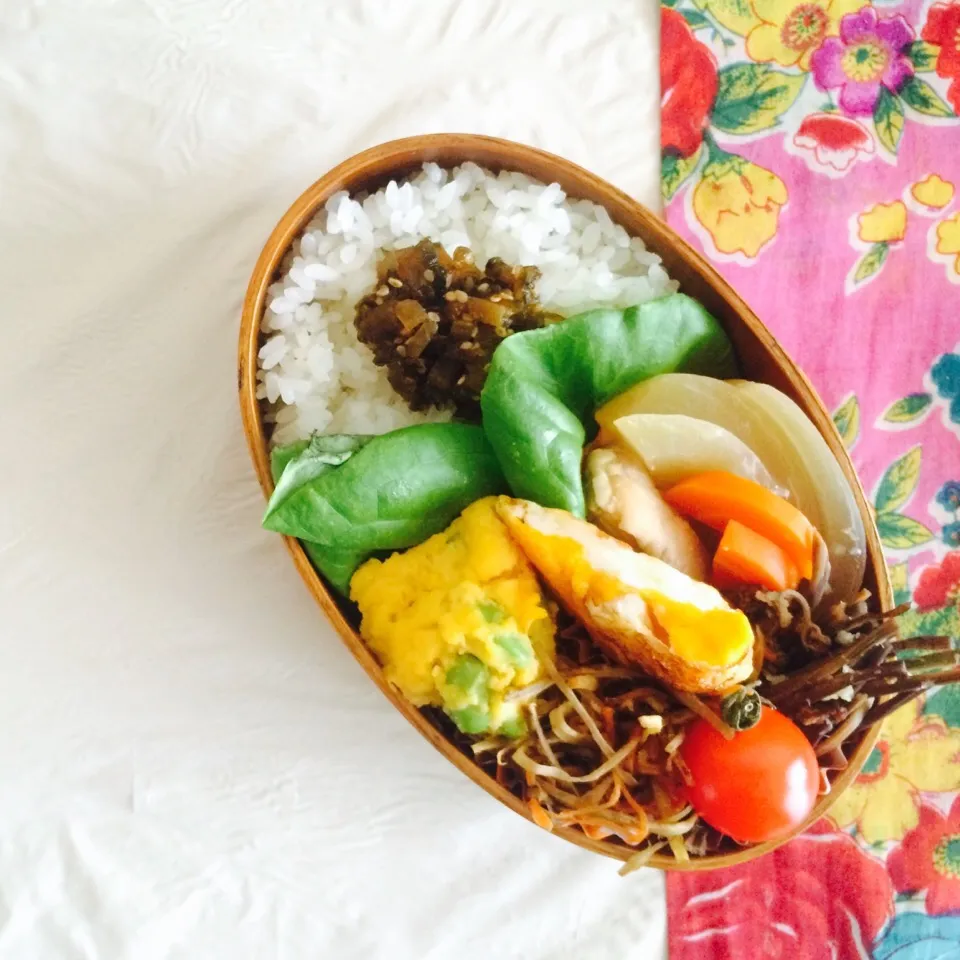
[
  {"x": 394, "y": 282},
  {"x": 383, "y": 290},
  {"x": 429, "y": 276}
]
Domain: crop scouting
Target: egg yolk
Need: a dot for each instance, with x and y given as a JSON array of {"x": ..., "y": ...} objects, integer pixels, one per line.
[{"x": 716, "y": 635}]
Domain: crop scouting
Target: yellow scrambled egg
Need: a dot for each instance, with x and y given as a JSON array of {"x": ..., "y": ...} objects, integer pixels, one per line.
[{"x": 459, "y": 621}]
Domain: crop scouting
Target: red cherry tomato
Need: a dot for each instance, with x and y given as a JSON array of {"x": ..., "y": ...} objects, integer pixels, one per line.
[{"x": 757, "y": 786}]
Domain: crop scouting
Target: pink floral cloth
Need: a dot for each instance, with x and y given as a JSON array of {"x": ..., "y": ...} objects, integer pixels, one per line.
[{"x": 812, "y": 151}]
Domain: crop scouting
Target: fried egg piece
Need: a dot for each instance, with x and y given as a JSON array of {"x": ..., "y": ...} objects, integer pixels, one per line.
[{"x": 639, "y": 609}]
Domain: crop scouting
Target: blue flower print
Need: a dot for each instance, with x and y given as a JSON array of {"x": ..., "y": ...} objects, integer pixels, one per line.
[
  {"x": 946, "y": 378},
  {"x": 948, "y": 496}
]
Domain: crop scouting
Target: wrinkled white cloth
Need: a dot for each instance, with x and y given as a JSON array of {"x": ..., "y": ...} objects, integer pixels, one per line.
[{"x": 191, "y": 765}]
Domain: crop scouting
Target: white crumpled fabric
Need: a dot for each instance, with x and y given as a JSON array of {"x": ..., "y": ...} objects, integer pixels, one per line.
[{"x": 191, "y": 764}]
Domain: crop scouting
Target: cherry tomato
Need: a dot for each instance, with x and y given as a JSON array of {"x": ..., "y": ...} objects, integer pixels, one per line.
[{"x": 757, "y": 786}]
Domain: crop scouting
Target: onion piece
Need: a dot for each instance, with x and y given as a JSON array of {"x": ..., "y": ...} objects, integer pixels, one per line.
[
  {"x": 845, "y": 729},
  {"x": 591, "y": 725},
  {"x": 677, "y": 829},
  {"x": 538, "y": 729},
  {"x": 523, "y": 759},
  {"x": 822, "y": 491},
  {"x": 675, "y": 446},
  {"x": 561, "y": 729},
  {"x": 697, "y": 706},
  {"x": 641, "y": 859}
]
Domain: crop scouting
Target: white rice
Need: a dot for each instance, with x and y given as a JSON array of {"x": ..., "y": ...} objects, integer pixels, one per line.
[{"x": 313, "y": 371}]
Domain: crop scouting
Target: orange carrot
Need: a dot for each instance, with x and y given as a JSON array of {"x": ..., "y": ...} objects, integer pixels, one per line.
[
  {"x": 540, "y": 816},
  {"x": 716, "y": 498},
  {"x": 608, "y": 728},
  {"x": 744, "y": 557}
]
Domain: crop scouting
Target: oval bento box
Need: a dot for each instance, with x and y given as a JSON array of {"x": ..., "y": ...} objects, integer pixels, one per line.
[{"x": 762, "y": 359}]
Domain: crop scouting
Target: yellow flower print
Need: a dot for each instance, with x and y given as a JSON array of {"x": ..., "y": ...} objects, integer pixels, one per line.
[
  {"x": 739, "y": 204},
  {"x": 790, "y": 31},
  {"x": 948, "y": 239},
  {"x": 933, "y": 192},
  {"x": 913, "y": 753},
  {"x": 883, "y": 223}
]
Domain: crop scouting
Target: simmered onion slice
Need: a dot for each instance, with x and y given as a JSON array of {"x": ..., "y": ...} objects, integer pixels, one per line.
[{"x": 674, "y": 447}]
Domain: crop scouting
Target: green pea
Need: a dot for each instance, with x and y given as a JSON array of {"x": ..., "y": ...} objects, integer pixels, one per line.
[
  {"x": 517, "y": 648},
  {"x": 491, "y": 611},
  {"x": 513, "y": 728},
  {"x": 471, "y": 719},
  {"x": 470, "y": 674}
]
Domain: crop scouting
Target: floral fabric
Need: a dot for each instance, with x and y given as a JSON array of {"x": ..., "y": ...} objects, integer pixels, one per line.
[{"x": 812, "y": 151}]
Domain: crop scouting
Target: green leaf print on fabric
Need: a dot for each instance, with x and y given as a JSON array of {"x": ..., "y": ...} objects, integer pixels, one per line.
[
  {"x": 846, "y": 418},
  {"x": 888, "y": 119},
  {"x": 908, "y": 409},
  {"x": 753, "y": 97},
  {"x": 695, "y": 18},
  {"x": 871, "y": 262},
  {"x": 736, "y": 15},
  {"x": 898, "y": 532},
  {"x": 945, "y": 703},
  {"x": 923, "y": 56},
  {"x": 675, "y": 170},
  {"x": 920, "y": 96},
  {"x": 899, "y": 482},
  {"x": 941, "y": 622}
]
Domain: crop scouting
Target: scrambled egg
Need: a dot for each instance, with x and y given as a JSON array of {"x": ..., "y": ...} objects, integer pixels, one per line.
[{"x": 459, "y": 621}]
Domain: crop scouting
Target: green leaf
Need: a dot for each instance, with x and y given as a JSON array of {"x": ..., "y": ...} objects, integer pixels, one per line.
[
  {"x": 392, "y": 492},
  {"x": 900, "y": 582},
  {"x": 923, "y": 55},
  {"x": 696, "y": 19},
  {"x": 301, "y": 462},
  {"x": 669, "y": 3},
  {"x": 908, "y": 408},
  {"x": 945, "y": 703},
  {"x": 675, "y": 170},
  {"x": 899, "y": 482},
  {"x": 871, "y": 262},
  {"x": 753, "y": 97},
  {"x": 736, "y": 15},
  {"x": 920, "y": 96},
  {"x": 940, "y": 622},
  {"x": 898, "y": 532},
  {"x": 847, "y": 420},
  {"x": 888, "y": 119},
  {"x": 544, "y": 386}
]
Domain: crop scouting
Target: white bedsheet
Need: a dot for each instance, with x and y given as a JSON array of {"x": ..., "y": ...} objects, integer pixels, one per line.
[{"x": 191, "y": 765}]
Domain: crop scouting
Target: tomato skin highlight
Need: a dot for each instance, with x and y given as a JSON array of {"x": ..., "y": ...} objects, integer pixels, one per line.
[{"x": 758, "y": 786}]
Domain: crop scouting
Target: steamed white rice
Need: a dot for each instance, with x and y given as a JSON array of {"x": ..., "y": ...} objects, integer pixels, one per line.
[{"x": 313, "y": 371}]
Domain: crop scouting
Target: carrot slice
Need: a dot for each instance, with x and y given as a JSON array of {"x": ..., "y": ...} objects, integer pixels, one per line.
[
  {"x": 716, "y": 498},
  {"x": 540, "y": 816},
  {"x": 744, "y": 557}
]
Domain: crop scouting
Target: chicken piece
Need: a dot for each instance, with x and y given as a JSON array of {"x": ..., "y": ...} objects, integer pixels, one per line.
[
  {"x": 623, "y": 501},
  {"x": 637, "y": 608}
]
